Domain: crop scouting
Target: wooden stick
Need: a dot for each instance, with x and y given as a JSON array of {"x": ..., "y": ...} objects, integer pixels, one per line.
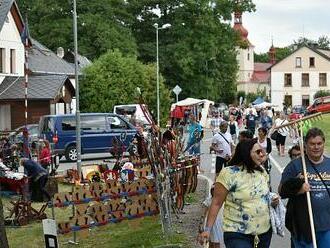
[
  {"x": 299, "y": 122},
  {"x": 309, "y": 204}
]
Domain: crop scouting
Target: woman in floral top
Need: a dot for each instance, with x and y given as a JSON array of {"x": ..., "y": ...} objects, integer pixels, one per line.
[{"x": 243, "y": 188}]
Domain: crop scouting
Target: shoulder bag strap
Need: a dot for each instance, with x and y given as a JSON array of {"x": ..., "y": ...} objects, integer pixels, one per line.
[{"x": 224, "y": 138}]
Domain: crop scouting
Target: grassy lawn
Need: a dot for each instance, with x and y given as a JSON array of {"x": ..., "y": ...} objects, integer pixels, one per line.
[
  {"x": 324, "y": 124},
  {"x": 143, "y": 232}
]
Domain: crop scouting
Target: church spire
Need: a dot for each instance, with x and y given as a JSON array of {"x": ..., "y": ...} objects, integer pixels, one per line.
[
  {"x": 272, "y": 53},
  {"x": 238, "y": 26}
]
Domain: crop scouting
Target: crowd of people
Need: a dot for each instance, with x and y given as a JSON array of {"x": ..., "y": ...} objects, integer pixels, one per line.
[
  {"x": 37, "y": 168},
  {"x": 252, "y": 213}
]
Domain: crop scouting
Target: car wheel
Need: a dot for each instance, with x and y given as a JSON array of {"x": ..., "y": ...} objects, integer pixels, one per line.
[{"x": 71, "y": 153}]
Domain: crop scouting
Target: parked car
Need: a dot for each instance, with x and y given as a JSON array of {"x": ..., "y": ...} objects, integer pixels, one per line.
[
  {"x": 297, "y": 112},
  {"x": 321, "y": 104},
  {"x": 98, "y": 131},
  {"x": 17, "y": 135}
]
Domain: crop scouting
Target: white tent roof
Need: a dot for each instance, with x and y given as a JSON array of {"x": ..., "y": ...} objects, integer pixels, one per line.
[
  {"x": 190, "y": 102},
  {"x": 263, "y": 105}
]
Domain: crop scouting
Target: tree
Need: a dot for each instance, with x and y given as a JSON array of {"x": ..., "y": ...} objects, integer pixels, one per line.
[
  {"x": 322, "y": 42},
  {"x": 321, "y": 93},
  {"x": 113, "y": 79},
  {"x": 198, "y": 51},
  {"x": 102, "y": 25}
]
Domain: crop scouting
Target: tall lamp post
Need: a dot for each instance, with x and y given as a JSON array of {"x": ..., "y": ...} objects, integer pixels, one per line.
[
  {"x": 157, "y": 70},
  {"x": 78, "y": 138}
]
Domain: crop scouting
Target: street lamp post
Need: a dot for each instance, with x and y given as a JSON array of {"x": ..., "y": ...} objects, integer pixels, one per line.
[
  {"x": 157, "y": 70},
  {"x": 78, "y": 138}
]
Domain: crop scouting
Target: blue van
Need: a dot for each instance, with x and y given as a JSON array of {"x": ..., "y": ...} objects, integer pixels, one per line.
[{"x": 97, "y": 132}]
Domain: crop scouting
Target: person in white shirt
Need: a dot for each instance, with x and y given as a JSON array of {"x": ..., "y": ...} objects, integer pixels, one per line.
[{"x": 222, "y": 144}]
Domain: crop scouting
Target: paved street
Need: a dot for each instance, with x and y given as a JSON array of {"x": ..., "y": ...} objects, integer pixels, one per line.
[{"x": 207, "y": 165}]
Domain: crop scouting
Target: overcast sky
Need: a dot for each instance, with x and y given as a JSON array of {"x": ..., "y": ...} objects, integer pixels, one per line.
[{"x": 286, "y": 20}]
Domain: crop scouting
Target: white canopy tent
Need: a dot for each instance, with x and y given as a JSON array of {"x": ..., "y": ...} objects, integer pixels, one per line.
[
  {"x": 263, "y": 105},
  {"x": 193, "y": 102}
]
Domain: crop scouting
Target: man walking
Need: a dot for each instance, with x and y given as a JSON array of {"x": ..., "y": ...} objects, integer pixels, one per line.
[
  {"x": 292, "y": 186},
  {"x": 222, "y": 144},
  {"x": 251, "y": 122}
]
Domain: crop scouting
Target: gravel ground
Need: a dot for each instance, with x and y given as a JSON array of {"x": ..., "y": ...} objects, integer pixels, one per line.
[{"x": 189, "y": 221}]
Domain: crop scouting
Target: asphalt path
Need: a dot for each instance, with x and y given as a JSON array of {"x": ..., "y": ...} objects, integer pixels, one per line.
[{"x": 278, "y": 164}]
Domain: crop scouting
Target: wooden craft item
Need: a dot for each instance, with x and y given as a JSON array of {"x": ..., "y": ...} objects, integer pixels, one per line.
[
  {"x": 134, "y": 209},
  {"x": 114, "y": 186},
  {"x": 81, "y": 221},
  {"x": 116, "y": 205},
  {"x": 151, "y": 204},
  {"x": 62, "y": 198},
  {"x": 81, "y": 209},
  {"x": 81, "y": 195},
  {"x": 64, "y": 227},
  {"x": 133, "y": 187}
]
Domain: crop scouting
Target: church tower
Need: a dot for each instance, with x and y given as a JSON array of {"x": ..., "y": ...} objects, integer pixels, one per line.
[
  {"x": 245, "y": 56},
  {"x": 272, "y": 54}
]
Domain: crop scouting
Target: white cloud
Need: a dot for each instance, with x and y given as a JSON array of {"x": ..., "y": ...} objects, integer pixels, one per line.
[{"x": 286, "y": 20}]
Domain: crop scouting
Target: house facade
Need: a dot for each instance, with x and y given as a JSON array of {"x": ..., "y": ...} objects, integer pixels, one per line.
[
  {"x": 296, "y": 78},
  {"x": 50, "y": 90}
]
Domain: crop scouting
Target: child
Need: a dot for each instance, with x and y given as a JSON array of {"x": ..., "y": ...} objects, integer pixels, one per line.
[{"x": 216, "y": 234}]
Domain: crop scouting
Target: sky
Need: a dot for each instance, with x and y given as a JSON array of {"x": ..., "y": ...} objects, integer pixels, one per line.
[{"x": 285, "y": 21}]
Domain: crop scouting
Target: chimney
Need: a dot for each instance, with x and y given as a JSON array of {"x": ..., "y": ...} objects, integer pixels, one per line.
[{"x": 60, "y": 52}]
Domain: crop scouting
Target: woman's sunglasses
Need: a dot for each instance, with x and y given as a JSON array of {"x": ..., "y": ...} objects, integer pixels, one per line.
[{"x": 259, "y": 151}]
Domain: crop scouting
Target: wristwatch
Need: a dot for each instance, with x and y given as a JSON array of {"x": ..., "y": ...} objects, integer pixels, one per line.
[{"x": 207, "y": 229}]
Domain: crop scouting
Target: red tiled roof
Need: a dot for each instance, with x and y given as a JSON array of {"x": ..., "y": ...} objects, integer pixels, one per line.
[
  {"x": 261, "y": 66},
  {"x": 260, "y": 73},
  {"x": 260, "y": 77}
]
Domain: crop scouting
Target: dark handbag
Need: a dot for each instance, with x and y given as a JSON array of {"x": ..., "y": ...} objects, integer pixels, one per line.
[{"x": 274, "y": 135}]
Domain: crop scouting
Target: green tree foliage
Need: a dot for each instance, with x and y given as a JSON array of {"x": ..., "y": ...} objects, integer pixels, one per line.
[
  {"x": 321, "y": 93},
  {"x": 113, "y": 79},
  {"x": 102, "y": 25},
  {"x": 198, "y": 52},
  {"x": 250, "y": 97},
  {"x": 322, "y": 42}
]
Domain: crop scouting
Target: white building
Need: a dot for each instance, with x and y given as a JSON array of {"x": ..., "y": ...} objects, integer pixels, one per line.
[{"x": 296, "y": 78}]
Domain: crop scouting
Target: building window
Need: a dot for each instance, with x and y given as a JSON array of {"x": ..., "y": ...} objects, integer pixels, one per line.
[
  {"x": 287, "y": 80},
  {"x": 12, "y": 61},
  {"x": 2, "y": 60},
  {"x": 288, "y": 100},
  {"x": 305, "y": 100},
  {"x": 298, "y": 61},
  {"x": 311, "y": 62},
  {"x": 305, "y": 80},
  {"x": 322, "y": 79},
  {"x": 248, "y": 56}
]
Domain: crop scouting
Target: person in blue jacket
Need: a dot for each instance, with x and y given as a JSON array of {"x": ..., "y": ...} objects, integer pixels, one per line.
[
  {"x": 195, "y": 132},
  {"x": 37, "y": 174}
]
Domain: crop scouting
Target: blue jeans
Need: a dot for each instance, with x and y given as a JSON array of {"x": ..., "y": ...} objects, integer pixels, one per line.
[
  {"x": 241, "y": 240},
  {"x": 322, "y": 240}
]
